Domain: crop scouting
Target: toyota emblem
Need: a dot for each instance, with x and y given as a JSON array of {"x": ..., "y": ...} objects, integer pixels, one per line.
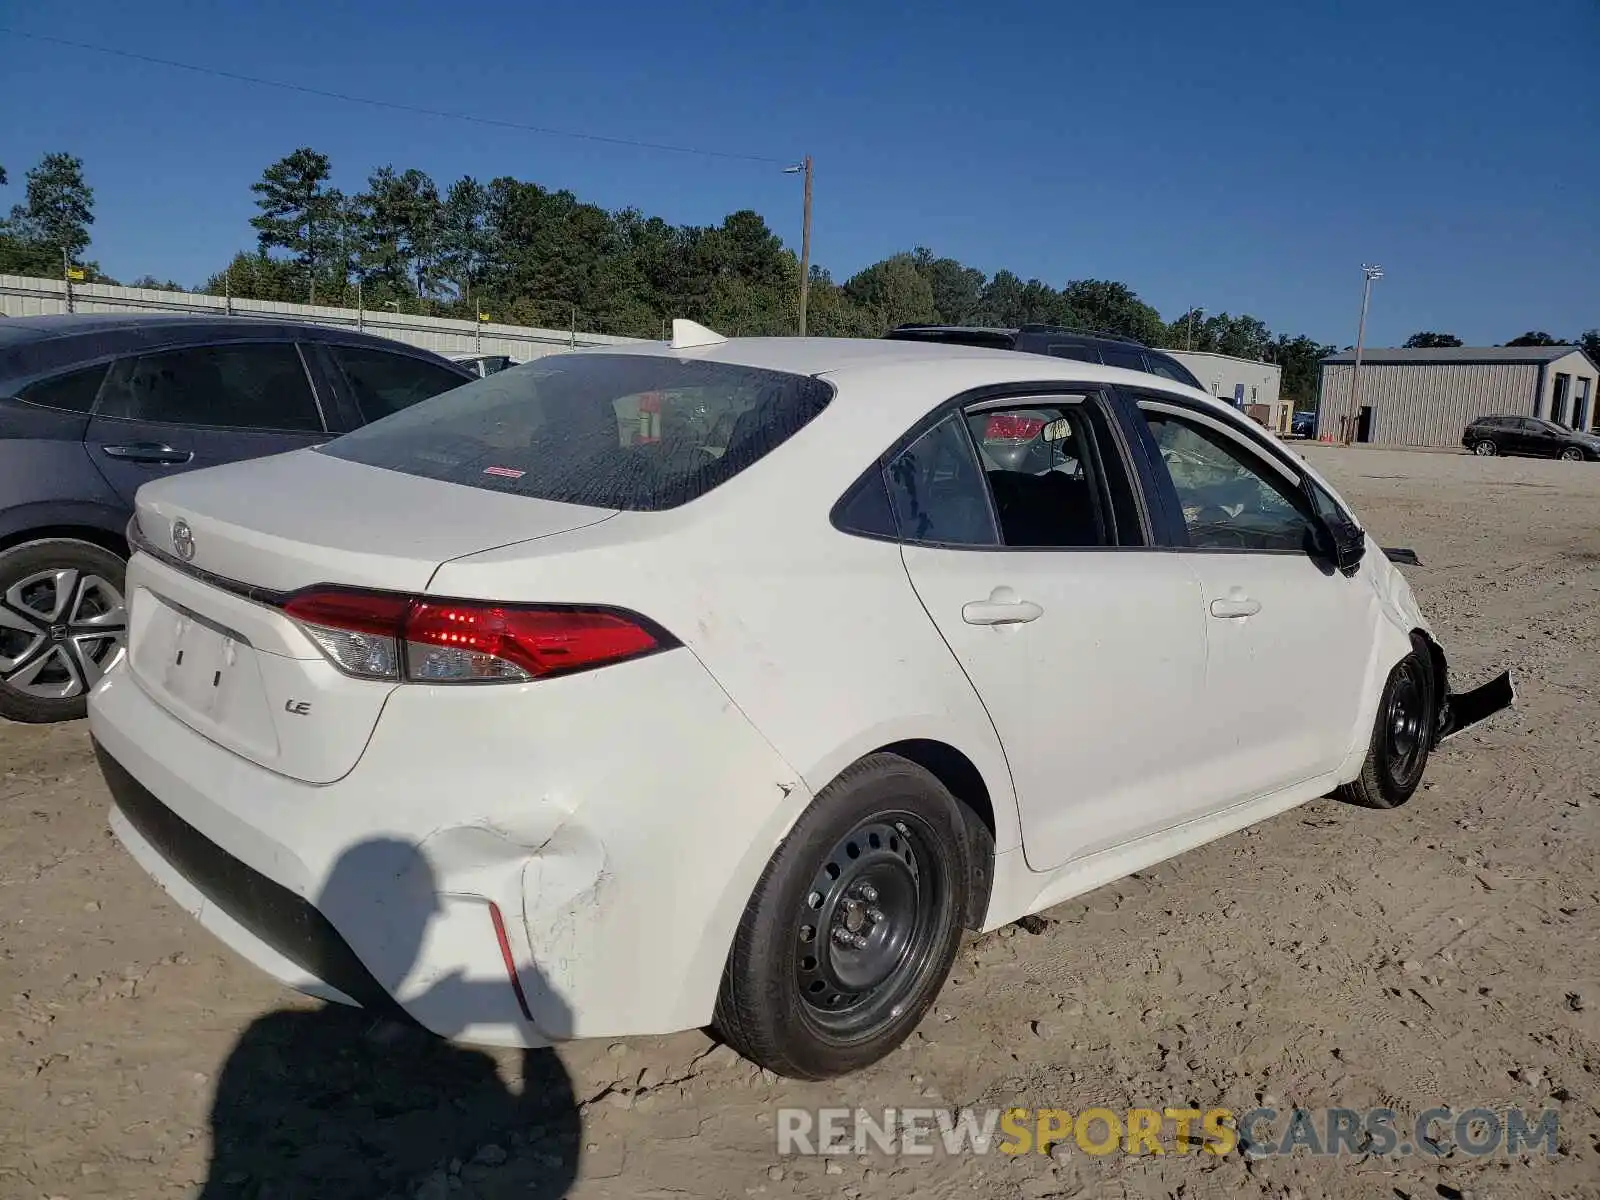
[{"x": 183, "y": 540}]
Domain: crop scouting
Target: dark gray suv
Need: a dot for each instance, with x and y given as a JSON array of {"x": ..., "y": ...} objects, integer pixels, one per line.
[
  {"x": 1057, "y": 343},
  {"x": 92, "y": 406}
]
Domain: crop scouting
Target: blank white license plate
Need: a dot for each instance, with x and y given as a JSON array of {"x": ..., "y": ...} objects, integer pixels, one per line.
[{"x": 202, "y": 672}]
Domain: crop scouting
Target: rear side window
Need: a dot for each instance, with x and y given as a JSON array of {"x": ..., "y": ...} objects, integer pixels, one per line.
[
  {"x": 1115, "y": 356},
  {"x": 938, "y": 492},
  {"x": 386, "y": 383},
  {"x": 72, "y": 392},
  {"x": 1052, "y": 484},
  {"x": 255, "y": 386},
  {"x": 1170, "y": 370},
  {"x": 634, "y": 431},
  {"x": 866, "y": 508},
  {"x": 1069, "y": 350}
]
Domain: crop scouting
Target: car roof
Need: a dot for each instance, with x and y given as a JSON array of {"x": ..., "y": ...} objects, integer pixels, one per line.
[
  {"x": 21, "y": 330},
  {"x": 1055, "y": 332},
  {"x": 931, "y": 368},
  {"x": 33, "y": 345}
]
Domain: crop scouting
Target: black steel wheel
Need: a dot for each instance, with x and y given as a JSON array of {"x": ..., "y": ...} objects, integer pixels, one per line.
[
  {"x": 868, "y": 924},
  {"x": 1406, "y": 724},
  {"x": 1402, "y": 738},
  {"x": 851, "y": 930}
]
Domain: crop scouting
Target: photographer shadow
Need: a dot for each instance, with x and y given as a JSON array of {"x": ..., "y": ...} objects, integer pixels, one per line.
[{"x": 362, "y": 1104}]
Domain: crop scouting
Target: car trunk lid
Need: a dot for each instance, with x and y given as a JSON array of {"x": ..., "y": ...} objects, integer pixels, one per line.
[{"x": 208, "y": 639}]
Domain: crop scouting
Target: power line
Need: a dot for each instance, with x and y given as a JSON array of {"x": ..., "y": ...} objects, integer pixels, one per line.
[{"x": 395, "y": 106}]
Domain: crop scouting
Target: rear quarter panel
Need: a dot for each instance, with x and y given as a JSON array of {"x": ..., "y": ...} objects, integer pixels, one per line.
[{"x": 816, "y": 635}]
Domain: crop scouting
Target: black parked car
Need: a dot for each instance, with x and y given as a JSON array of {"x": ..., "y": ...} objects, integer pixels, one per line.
[
  {"x": 92, "y": 406},
  {"x": 1058, "y": 343},
  {"x": 1488, "y": 436}
]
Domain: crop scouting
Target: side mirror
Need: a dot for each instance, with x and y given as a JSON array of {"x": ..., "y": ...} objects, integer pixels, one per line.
[{"x": 1349, "y": 545}]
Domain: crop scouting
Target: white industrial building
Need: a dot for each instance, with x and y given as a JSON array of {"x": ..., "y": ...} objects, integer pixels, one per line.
[
  {"x": 1250, "y": 385},
  {"x": 1427, "y": 397}
]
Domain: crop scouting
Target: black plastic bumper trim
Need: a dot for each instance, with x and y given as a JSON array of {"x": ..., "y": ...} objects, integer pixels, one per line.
[{"x": 280, "y": 918}]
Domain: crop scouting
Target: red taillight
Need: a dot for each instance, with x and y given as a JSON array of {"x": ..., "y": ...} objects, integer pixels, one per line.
[
  {"x": 355, "y": 612},
  {"x": 1009, "y": 427},
  {"x": 539, "y": 641},
  {"x": 379, "y": 635}
]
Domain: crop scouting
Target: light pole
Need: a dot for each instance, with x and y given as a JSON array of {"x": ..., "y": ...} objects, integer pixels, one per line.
[
  {"x": 1370, "y": 273},
  {"x": 805, "y": 239}
]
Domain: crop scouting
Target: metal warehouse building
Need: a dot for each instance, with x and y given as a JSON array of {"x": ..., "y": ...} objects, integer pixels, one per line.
[
  {"x": 1248, "y": 384},
  {"x": 1427, "y": 397}
]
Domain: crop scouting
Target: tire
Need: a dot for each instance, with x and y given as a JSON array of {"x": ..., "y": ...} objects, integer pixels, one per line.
[
  {"x": 1485, "y": 449},
  {"x": 1572, "y": 454},
  {"x": 1402, "y": 737},
  {"x": 62, "y": 622},
  {"x": 885, "y": 838}
]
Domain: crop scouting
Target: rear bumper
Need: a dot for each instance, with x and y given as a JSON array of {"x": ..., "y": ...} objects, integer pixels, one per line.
[
  {"x": 612, "y": 825},
  {"x": 280, "y": 930}
]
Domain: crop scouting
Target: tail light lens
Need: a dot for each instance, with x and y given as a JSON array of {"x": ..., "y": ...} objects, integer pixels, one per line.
[
  {"x": 1010, "y": 427},
  {"x": 357, "y": 631},
  {"x": 379, "y": 635}
]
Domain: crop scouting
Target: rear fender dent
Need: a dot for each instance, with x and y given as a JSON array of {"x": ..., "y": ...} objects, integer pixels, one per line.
[{"x": 549, "y": 880}]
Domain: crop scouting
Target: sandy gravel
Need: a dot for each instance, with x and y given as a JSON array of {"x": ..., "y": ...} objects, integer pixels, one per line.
[{"x": 1446, "y": 953}]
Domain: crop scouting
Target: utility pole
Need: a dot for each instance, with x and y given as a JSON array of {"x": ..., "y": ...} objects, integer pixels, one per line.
[
  {"x": 805, "y": 240},
  {"x": 1370, "y": 273},
  {"x": 66, "y": 277}
]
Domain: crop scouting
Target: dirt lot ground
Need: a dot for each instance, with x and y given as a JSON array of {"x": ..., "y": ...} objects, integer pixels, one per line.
[{"x": 1444, "y": 954}]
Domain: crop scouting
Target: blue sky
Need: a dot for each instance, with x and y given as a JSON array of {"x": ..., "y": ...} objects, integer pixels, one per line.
[{"x": 1243, "y": 155}]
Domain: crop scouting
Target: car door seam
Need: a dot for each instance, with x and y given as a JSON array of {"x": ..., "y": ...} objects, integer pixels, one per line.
[{"x": 1005, "y": 756}]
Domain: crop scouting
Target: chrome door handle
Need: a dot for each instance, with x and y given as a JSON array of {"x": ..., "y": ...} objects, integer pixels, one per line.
[
  {"x": 1235, "y": 606},
  {"x": 1003, "y": 607},
  {"x": 149, "y": 452}
]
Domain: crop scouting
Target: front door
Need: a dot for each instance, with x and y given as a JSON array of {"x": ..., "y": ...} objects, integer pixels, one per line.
[
  {"x": 179, "y": 410},
  {"x": 1288, "y": 635},
  {"x": 1086, "y": 645},
  {"x": 1537, "y": 437}
]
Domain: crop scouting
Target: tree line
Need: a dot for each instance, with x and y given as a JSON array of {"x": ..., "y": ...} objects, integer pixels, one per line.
[{"x": 524, "y": 254}]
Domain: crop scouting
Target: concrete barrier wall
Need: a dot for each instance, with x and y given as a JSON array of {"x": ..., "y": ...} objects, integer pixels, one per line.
[{"x": 25, "y": 296}]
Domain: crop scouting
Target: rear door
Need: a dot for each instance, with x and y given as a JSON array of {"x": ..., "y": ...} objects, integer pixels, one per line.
[
  {"x": 178, "y": 410},
  {"x": 1514, "y": 434},
  {"x": 1025, "y": 543}
]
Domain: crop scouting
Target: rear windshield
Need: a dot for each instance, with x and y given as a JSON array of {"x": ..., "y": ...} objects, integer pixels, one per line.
[{"x": 632, "y": 431}]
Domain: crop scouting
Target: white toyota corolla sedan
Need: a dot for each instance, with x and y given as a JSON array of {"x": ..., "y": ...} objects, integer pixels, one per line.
[{"x": 726, "y": 682}]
